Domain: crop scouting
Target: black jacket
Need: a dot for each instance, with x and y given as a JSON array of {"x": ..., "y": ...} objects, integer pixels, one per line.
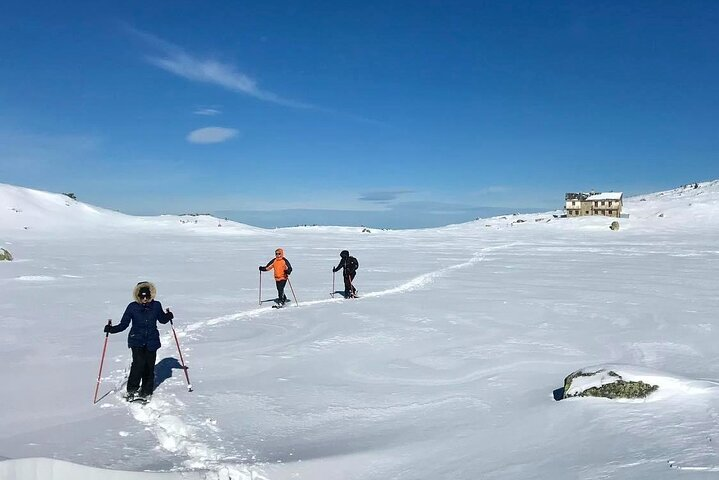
[{"x": 348, "y": 264}]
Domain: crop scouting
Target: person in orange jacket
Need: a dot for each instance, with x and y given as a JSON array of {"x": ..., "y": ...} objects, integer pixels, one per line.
[{"x": 282, "y": 269}]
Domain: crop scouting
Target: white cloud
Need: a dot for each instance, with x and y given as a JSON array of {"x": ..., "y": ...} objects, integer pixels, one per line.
[
  {"x": 210, "y": 112},
  {"x": 176, "y": 60},
  {"x": 211, "y": 135}
]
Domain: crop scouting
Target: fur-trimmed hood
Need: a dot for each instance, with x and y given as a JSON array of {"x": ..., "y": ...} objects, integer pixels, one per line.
[{"x": 136, "y": 290}]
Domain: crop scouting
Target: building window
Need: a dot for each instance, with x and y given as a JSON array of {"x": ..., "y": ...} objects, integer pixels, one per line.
[{"x": 602, "y": 203}]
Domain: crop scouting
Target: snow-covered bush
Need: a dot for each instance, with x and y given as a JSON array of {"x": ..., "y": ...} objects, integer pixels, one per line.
[{"x": 5, "y": 255}]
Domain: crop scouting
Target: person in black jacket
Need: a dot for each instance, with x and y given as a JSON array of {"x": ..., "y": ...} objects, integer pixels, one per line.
[
  {"x": 144, "y": 338},
  {"x": 349, "y": 266}
]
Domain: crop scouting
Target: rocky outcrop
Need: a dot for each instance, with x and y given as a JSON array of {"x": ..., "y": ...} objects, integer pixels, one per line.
[
  {"x": 5, "y": 255},
  {"x": 604, "y": 383}
]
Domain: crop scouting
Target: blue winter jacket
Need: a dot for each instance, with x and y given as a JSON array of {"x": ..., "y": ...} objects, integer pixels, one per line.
[{"x": 144, "y": 318}]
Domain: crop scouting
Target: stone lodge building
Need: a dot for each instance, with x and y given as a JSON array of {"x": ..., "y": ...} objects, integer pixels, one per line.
[{"x": 585, "y": 204}]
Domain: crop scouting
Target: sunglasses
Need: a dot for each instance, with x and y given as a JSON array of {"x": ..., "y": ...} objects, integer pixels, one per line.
[{"x": 277, "y": 254}]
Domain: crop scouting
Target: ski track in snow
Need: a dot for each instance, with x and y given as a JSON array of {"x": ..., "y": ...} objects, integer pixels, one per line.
[
  {"x": 176, "y": 436},
  {"x": 413, "y": 284}
]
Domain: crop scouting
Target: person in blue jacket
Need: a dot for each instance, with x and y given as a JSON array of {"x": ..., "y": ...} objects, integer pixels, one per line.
[{"x": 144, "y": 338}]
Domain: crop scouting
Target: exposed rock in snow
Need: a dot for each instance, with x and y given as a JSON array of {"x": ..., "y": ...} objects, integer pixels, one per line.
[
  {"x": 604, "y": 383},
  {"x": 631, "y": 382}
]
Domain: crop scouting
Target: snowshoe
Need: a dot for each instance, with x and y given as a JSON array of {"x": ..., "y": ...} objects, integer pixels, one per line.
[
  {"x": 130, "y": 396},
  {"x": 142, "y": 398}
]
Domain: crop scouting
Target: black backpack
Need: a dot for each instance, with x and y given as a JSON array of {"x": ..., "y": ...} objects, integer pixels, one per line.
[{"x": 352, "y": 264}]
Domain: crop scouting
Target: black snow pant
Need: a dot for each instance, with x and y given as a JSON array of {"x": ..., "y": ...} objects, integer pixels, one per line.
[
  {"x": 281, "y": 297},
  {"x": 143, "y": 368},
  {"x": 350, "y": 290}
]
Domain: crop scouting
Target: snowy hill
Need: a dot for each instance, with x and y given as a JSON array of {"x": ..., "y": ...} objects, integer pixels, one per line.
[
  {"x": 44, "y": 212},
  {"x": 699, "y": 205},
  {"x": 445, "y": 367}
]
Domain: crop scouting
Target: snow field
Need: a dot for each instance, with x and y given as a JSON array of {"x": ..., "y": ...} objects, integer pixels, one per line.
[{"x": 444, "y": 368}]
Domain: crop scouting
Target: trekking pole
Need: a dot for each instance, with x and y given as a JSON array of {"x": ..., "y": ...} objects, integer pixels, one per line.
[
  {"x": 260, "y": 299},
  {"x": 352, "y": 287},
  {"x": 102, "y": 360},
  {"x": 187, "y": 377},
  {"x": 333, "y": 284},
  {"x": 293, "y": 291}
]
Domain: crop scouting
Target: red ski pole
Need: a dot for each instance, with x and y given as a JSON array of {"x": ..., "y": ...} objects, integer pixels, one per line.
[
  {"x": 187, "y": 377},
  {"x": 102, "y": 360}
]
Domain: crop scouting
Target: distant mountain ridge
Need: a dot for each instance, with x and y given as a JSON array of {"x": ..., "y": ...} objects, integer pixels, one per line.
[{"x": 40, "y": 211}]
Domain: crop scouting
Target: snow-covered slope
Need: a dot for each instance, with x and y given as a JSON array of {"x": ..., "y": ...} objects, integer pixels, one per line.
[
  {"x": 682, "y": 207},
  {"x": 444, "y": 368},
  {"x": 685, "y": 205},
  {"x": 42, "y": 213}
]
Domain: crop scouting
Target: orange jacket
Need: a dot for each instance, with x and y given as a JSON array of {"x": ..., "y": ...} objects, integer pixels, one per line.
[{"x": 280, "y": 265}]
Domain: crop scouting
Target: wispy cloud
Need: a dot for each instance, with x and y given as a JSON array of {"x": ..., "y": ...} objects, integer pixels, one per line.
[
  {"x": 385, "y": 196},
  {"x": 211, "y": 135},
  {"x": 176, "y": 60},
  {"x": 209, "y": 112},
  {"x": 492, "y": 190}
]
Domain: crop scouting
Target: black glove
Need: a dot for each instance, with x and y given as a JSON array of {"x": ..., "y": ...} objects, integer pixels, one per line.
[
  {"x": 262, "y": 269},
  {"x": 287, "y": 272},
  {"x": 169, "y": 314},
  {"x": 107, "y": 329}
]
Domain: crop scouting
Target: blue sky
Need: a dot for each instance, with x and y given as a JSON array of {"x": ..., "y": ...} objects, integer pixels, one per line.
[{"x": 392, "y": 114}]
